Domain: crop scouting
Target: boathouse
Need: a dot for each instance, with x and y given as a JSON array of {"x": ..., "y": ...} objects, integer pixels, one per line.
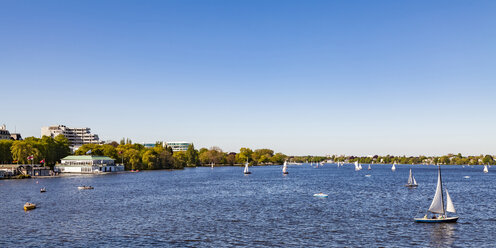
[{"x": 88, "y": 164}]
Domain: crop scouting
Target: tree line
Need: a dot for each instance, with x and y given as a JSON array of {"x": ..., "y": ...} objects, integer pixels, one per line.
[
  {"x": 138, "y": 157},
  {"x": 34, "y": 150}
]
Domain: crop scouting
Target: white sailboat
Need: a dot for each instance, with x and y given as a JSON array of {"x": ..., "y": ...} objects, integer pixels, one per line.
[
  {"x": 486, "y": 170},
  {"x": 412, "y": 183},
  {"x": 437, "y": 205},
  {"x": 212, "y": 165},
  {"x": 285, "y": 168},
  {"x": 246, "y": 171},
  {"x": 370, "y": 168},
  {"x": 357, "y": 167},
  {"x": 394, "y": 167}
]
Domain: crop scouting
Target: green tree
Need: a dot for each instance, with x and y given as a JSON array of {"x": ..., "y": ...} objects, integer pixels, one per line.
[
  {"x": 21, "y": 150},
  {"x": 192, "y": 155},
  {"x": 180, "y": 160},
  {"x": 5, "y": 151},
  {"x": 243, "y": 155}
]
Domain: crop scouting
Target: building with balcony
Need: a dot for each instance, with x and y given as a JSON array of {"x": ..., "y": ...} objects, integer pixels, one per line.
[
  {"x": 76, "y": 136},
  {"x": 87, "y": 164}
]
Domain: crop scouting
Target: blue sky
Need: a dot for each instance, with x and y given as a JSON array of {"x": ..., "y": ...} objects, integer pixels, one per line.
[{"x": 299, "y": 77}]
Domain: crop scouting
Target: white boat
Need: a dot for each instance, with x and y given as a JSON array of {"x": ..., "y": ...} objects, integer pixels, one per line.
[
  {"x": 438, "y": 207},
  {"x": 246, "y": 171},
  {"x": 486, "y": 170},
  {"x": 357, "y": 166},
  {"x": 412, "y": 183},
  {"x": 285, "y": 168},
  {"x": 394, "y": 167},
  {"x": 321, "y": 195},
  {"x": 370, "y": 168},
  {"x": 85, "y": 187},
  {"x": 212, "y": 165}
]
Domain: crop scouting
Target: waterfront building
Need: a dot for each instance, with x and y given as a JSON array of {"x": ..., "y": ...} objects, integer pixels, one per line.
[
  {"x": 76, "y": 136},
  {"x": 4, "y": 133},
  {"x": 149, "y": 145},
  {"x": 88, "y": 164},
  {"x": 179, "y": 146}
]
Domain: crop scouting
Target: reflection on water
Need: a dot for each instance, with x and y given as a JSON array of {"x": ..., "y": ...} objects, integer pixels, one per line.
[
  {"x": 442, "y": 234},
  {"x": 221, "y": 207}
]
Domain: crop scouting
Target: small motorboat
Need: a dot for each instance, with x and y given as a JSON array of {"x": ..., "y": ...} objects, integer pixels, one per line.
[
  {"x": 321, "y": 195},
  {"x": 43, "y": 190},
  {"x": 85, "y": 187},
  {"x": 29, "y": 206}
]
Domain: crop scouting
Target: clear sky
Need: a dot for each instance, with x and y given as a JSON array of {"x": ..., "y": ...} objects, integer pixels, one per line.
[{"x": 299, "y": 77}]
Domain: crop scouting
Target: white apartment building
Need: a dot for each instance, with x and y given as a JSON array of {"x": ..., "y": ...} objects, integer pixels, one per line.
[
  {"x": 178, "y": 146},
  {"x": 76, "y": 136}
]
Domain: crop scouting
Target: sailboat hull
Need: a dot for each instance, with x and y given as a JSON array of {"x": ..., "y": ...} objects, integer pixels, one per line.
[
  {"x": 285, "y": 173},
  {"x": 411, "y": 185},
  {"x": 246, "y": 173},
  {"x": 444, "y": 220}
]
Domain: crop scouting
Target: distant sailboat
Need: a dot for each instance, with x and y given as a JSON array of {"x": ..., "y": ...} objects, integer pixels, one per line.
[
  {"x": 212, "y": 165},
  {"x": 370, "y": 168},
  {"x": 285, "y": 168},
  {"x": 412, "y": 183},
  {"x": 437, "y": 205},
  {"x": 246, "y": 171},
  {"x": 486, "y": 170},
  {"x": 357, "y": 166},
  {"x": 394, "y": 167}
]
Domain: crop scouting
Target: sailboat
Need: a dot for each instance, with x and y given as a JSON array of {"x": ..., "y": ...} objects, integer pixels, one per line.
[
  {"x": 370, "y": 168},
  {"x": 486, "y": 170},
  {"x": 212, "y": 165},
  {"x": 412, "y": 183},
  {"x": 357, "y": 166},
  {"x": 285, "y": 168},
  {"x": 246, "y": 171},
  {"x": 437, "y": 205},
  {"x": 394, "y": 167}
]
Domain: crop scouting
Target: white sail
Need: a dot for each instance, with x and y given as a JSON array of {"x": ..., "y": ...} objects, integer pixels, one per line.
[
  {"x": 246, "y": 168},
  {"x": 356, "y": 166},
  {"x": 414, "y": 181},
  {"x": 360, "y": 166},
  {"x": 410, "y": 178},
  {"x": 449, "y": 205},
  {"x": 394, "y": 167},
  {"x": 485, "y": 169},
  {"x": 437, "y": 203},
  {"x": 369, "y": 167},
  {"x": 285, "y": 167}
]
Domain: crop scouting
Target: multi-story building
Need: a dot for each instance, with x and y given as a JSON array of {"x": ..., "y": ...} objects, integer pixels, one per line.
[
  {"x": 178, "y": 146},
  {"x": 6, "y": 135},
  {"x": 76, "y": 136}
]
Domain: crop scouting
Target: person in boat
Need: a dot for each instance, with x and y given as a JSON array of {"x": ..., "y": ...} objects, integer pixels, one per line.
[{"x": 434, "y": 217}]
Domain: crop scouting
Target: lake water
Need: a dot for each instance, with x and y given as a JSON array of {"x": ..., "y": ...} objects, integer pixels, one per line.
[{"x": 221, "y": 207}]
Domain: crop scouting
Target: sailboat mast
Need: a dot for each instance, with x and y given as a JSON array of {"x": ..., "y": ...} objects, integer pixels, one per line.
[{"x": 441, "y": 182}]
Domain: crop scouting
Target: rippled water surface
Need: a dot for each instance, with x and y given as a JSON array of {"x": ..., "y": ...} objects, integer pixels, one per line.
[{"x": 221, "y": 207}]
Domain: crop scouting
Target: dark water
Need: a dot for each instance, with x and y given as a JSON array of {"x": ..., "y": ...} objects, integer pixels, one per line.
[{"x": 221, "y": 207}]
